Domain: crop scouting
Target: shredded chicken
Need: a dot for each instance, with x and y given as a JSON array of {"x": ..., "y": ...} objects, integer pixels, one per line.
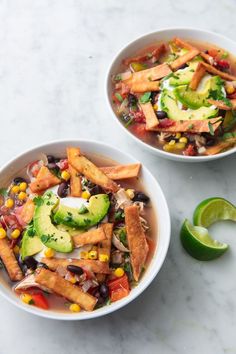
[
  {"x": 29, "y": 282},
  {"x": 122, "y": 199}
]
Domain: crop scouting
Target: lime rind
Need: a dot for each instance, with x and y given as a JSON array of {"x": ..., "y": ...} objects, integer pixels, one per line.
[{"x": 212, "y": 210}]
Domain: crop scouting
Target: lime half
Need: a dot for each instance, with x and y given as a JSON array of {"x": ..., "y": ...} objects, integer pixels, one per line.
[
  {"x": 213, "y": 209},
  {"x": 199, "y": 244}
]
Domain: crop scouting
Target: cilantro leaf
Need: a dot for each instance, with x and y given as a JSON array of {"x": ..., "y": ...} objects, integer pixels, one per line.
[
  {"x": 38, "y": 201},
  {"x": 145, "y": 97}
]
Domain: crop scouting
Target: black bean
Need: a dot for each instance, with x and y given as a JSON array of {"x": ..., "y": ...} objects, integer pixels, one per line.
[
  {"x": 63, "y": 190},
  {"x": 75, "y": 269},
  {"x": 42, "y": 265},
  {"x": 132, "y": 100},
  {"x": 50, "y": 158},
  {"x": 161, "y": 114},
  {"x": 183, "y": 66},
  {"x": 18, "y": 180},
  {"x": 96, "y": 190},
  {"x": 104, "y": 292},
  {"x": 154, "y": 97},
  {"x": 141, "y": 197},
  {"x": 30, "y": 262}
]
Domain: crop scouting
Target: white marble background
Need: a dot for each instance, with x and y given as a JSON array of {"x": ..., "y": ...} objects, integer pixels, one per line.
[{"x": 53, "y": 58}]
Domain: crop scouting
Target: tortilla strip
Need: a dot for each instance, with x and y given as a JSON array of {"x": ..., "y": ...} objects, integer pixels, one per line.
[
  {"x": 44, "y": 180},
  {"x": 152, "y": 74},
  {"x": 136, "y": 240},
  {"x": 75, "y": 182},
  {"x": 155, "y": 53},
  {"x": 211, "y": 69},
  {"x": 183, "y": 59},
  {"x": 213, "y": 150},
  {"x": 144, "y": 86},
  {"x": 122, "y": 171},
  {"x": 89, "y": 237},
  {"x": 197, "y": 76},
  {"x": 92, "y": 265},
  {"x": 220, "y": 105},
  {"x": 191, "y": 126},
  {"x": 63, "y": 287},
  {"x": 89, "y": 170},
  {"x": 207, "y": 58},
  {"x": 150, "y": 115},
  {"x": 104, "y": 247},
  {"x": 182, "y": 44},
  {"x": 27, "y": 212},
  {"x": 9, "y": 260}
]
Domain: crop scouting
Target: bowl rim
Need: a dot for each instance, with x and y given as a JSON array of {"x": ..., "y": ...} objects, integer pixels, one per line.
[
  {"x": 153, "y": 150},
  {"x": 142, "y": 285}
]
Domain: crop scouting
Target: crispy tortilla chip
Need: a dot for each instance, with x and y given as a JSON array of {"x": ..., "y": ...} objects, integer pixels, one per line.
[
  {"x": 183, "y": 59},
  {"x": 89, "y": 170},
  {"x": 182, "y": 44},
  {"x": 105, "y": 246},
  {"x": 44, "y": 180},
  {"x": 207, "y": 58},
  {"x": 220, "y": 105},
  {"x": 191, "y": 126},
  {"x": 213, "y": 150},
  {"x": 92, "y": 265},
  {"x": 27, "y": 212},
  {"x": 152, "y": 74},
  {"x": 9, "y": 260},
  {"x": 64, "y": 288},
  {"x": 75, "y": 182},
  {"x": 122, "y": 171},
  {"x": 157, "y": 52},
  {"x": 197, "y": 76},
  {"x": 139, "y": 87},
  {"x": 91, "y": 236},
  {"x": 150, "y": 115},
  {"x": 211, "y": 69},
  {"x": 136, "y": 240}
]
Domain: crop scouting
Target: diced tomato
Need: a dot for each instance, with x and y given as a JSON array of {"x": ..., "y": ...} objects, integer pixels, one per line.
[
  {"x": 40, "y": 301},
  {"x": 139, "y": 129},
  {"x": 233, "y": 95},
  {"x": 115, "y": 99},
  {"x": 118, "y": 288},
  {"x": 34, "y": 168},
  {"x": 166, "y": 123},
  {"x": 190, "y": 151},
  {"x": 138, "y": 117},
  {"x": 63, "y": 164},
  {"x": 222, "y": 64},
  {"x": 213, "y": 52}
]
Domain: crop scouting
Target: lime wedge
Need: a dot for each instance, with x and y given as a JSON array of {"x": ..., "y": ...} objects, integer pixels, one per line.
[
  {"x": 213, "y": 209},
  {"x": 199, "y": 244}
]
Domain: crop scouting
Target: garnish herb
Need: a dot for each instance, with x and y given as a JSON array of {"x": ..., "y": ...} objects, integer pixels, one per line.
[
  {"x": 145, "y": 97},
  {"x": 38, "y": 201},
  {"x": 210, "y": 126},
  {"x": 82, "y": 209},
  {"x": 119, "y": 97}
]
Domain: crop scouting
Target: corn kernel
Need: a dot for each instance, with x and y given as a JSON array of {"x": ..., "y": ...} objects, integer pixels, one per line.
[
  {"x": 130, "y": 193},
  {"x": 65, "y": 175},
  {"x": 93, "y": 255},
  {"x": 3, "y": 233},
  {"x": 155, "y": 107},
  {"x": 84, "y": 255},
  {"x": 9, "y": 203},
  {"x": 15, "y": 189},
  {"x": 16, "y": 250},
  {"x": 74, "y": 308},
  {"x": 23, "y": 186},
  {"x": 22, "y": 196},
  {"x": 172, "y": 142},
  {"x": 73, "y": 280},
  {"x": 178, "y": 135},
  {"x": 183, "y": 140},
  {"x": 15, "y": 234},
  {"x": 85, "y": 195},
  {"x": 119, "y": 272},
  {"x": 103, "y": 258},
  {"x": 49, "y": 253},
  {"x": 229, "y": 89},
  {"x": 27, "y": 299}
]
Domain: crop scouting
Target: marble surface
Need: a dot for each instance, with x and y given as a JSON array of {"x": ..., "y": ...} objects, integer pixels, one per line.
[{"x": 53, "y": 59}]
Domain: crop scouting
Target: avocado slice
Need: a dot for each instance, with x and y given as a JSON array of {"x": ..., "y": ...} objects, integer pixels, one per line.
[
  {"x": 183, "y": 76},
  {"x": 50, "y": 236},
  {"x": 30, "y": 244},
  {"x": 169, "y": 104},
  {"x": 197, "y": 99},
  {"x": 96, "y": 210}
]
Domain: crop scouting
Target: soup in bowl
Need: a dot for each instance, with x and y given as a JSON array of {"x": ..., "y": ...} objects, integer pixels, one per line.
[
  {"x": 84, "y": 228},
  {"x": 175, "y": 91}
]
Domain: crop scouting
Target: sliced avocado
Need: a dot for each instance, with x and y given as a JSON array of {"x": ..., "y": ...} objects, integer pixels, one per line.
[
  {"x": 96, "y": 210},
  {"x": 197, "y": 99},
  {"x": 169, "y": 104},
  {"x": 50, "y": 236},
  {"x": 30, "y": 244},
  {"x": 183, "y": 76},
  {"x": 71, "y": 230}
]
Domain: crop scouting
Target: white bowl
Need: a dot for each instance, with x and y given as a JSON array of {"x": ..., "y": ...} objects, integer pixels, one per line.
[
  {"x": 58, "y": 148},
  {"x": 165, "y": 35}
]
